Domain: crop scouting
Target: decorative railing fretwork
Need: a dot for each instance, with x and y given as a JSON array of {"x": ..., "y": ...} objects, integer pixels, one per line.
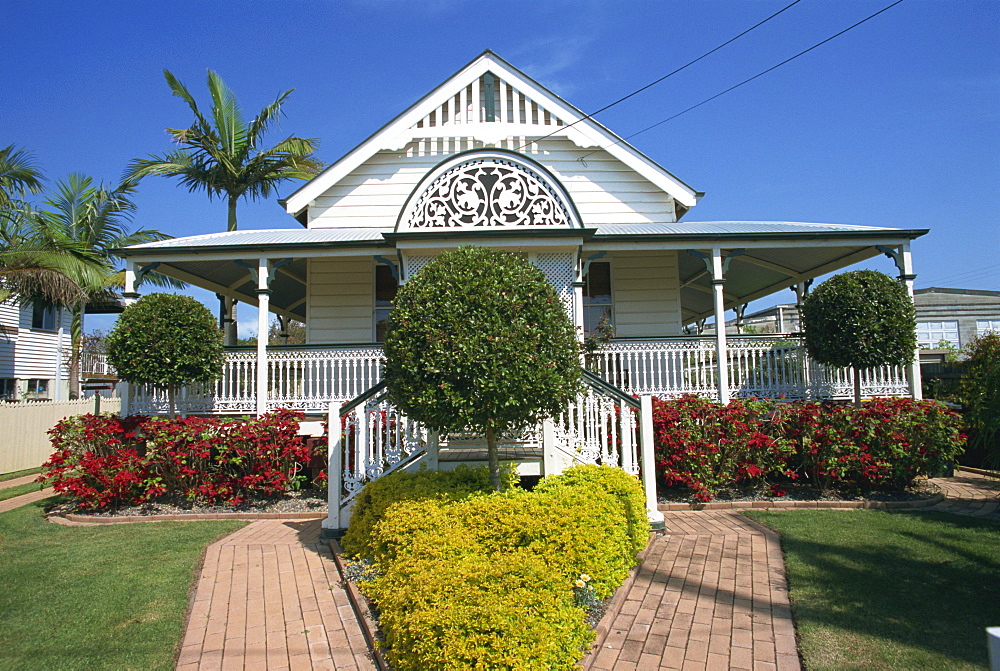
[
  {"x": 299, "y": 378},
  {"x": 762, "y": 367}
]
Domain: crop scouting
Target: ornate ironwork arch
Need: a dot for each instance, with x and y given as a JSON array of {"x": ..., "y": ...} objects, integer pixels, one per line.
[{"x": 487, "y": 189}]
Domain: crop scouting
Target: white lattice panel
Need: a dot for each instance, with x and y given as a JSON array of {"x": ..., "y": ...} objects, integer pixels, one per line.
[
  {"x": 413, "y": 264},
  {"x": 559, "y": 269}
]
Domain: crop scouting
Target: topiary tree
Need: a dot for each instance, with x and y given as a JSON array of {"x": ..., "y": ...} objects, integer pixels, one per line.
[
  {"x": 478, "y": 340},
  {"x": 861, "y": 319},
  {"x": 166, "y": 340}
]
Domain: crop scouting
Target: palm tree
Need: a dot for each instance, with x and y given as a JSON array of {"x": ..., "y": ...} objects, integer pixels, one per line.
[
  {"x": 93, "y": 220},
  {"x": 30, "y": 269},
  {"x": 222, "y": 154}
]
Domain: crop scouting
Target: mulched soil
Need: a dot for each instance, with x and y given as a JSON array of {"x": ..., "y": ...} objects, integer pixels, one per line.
[
  {"x": 295, "y": 502},
  {"x": 921, "y": 489}
]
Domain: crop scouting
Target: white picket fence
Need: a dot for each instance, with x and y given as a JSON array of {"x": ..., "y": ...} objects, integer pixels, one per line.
[{"x": 24, "y": 441}]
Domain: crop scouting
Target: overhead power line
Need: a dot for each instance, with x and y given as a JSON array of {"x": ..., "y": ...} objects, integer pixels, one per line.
[
  {"x": 666, "y": 76},
  {"x": 749, "y": 79}
]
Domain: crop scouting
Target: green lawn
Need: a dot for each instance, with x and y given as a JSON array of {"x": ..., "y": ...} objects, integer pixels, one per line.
[
  {"x": 110, "y": 597},
  {"x": 17, "y": 474},
  {"x": 11, "y": 492},
  {"x": 890, "y": 590}
]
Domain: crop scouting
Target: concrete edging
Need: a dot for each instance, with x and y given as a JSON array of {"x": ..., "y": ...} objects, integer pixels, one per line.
[{"x": 763, "y": 505}]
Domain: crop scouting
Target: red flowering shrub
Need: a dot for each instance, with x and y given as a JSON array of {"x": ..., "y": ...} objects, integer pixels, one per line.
[
  {"x": 104, "y": 461},
  {"x": 708, "y": 447},
  {"x": 883, "y": 445}
]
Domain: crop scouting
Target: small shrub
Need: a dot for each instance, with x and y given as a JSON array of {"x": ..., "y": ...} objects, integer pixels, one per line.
[
  {"x": 376, "y": 497},
  {"x": 104, "y": 461},
  {"x": 490, "y": 581},
  {"x": 626, "y": 488},
  {"x": 478, "y": 611},
  {"x": 885, "y": 444},
  {"x": 708, "y": 447}
]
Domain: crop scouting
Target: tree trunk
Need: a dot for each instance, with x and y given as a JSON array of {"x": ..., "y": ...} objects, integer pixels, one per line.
[
  {"x": 493, "y": 454},
  {"x": 75, "y": 351},
  {"x": 171, "y": 392},
  {"x": 231, "y": 223},
  {"x": 857, "y": 387}
]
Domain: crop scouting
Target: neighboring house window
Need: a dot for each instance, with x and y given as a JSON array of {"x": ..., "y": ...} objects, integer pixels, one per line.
[
  {"x": 984, "y": 326},
  {"x": 43, "y": 316},
  {"x": 8, "y": 388},
  {"x": 37, "y": 389},
  {"x": 597, "y": 297},
  {"x": 930, "y": 334},
  {"x": 385, "y": 292}
]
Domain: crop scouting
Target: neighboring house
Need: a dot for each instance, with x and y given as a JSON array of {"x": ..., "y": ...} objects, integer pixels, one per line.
[
  {"x": 951, "y": 316},
  {"x": 32, "y": 341},
  {"x": 491, "y": 157},
  {"x": 35, "y": 348}
]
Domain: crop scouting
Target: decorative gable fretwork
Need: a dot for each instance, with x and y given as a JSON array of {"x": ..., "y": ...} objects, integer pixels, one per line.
[
  {"x": 488, "y": 100},
  {"x": 483, "y": 190},
  {"x": 486, "y": 112}
]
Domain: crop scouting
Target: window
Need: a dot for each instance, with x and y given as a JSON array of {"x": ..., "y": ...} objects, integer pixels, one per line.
[
  {"x": 385, "y": 292},
  {"x": 43, "y": 316},
  {"x": 37, "y": 389},
  {"x": 597, "y": 297},
  {"x": 930, "y": 334},
  {"x": 984, "y": 326},
  {"x": 8, "y": 388}
]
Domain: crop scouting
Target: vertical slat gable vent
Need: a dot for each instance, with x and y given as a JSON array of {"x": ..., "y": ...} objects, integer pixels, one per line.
[{"x": 486, "y": 100}]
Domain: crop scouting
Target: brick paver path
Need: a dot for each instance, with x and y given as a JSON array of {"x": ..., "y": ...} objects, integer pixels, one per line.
[
  {"x": 711, "y": 594},
  {"x": 269, "y": 598},
  {"x": 970, "y": 494},
  {"x": 24, "y": 499},
  {"x": 23, "y": 480}
]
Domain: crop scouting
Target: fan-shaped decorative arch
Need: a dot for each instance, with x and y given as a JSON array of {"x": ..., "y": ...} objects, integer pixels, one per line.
[{"x": 487, "y": 189}]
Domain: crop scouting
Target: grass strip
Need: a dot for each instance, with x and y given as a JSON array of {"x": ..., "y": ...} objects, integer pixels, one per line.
[
  {"x": 111, "y": 597},
  {"x": 18, "y": 474},
  {"x": 877, "y": 589},
  {"x": 27, "y": 488}
]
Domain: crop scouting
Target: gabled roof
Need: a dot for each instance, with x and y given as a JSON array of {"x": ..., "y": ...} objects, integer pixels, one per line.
[{"x": 531, "y": 111}]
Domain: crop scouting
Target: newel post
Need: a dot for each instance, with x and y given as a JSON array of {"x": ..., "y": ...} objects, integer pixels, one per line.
[
  {"x": 334, "y": 471},
  {"x": 648, "y": 461}
]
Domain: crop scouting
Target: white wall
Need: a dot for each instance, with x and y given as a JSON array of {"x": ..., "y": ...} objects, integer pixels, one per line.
[
  {"x": 341, "y": 299},
  {"x": 604, "y": 189},
  {"x": 646, "y": 296}
]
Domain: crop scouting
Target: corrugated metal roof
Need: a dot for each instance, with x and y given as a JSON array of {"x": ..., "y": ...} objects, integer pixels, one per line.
[
  {"x": 276, "y": 236},
  {"x": 730, "y": 228}
]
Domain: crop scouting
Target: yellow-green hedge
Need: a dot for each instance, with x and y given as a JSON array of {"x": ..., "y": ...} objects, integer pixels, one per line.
[
  {"x": 478, "y": 612},
  {"x": 378, "y": 495},
  {"x": 486, "y": 582}
]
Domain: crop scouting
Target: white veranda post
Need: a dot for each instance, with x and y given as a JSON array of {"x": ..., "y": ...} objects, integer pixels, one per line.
[
  {"x": 721, "y": 356},
  {"x": 907, "y": 275},
  {"x": 129, "y": 296},
  {"x": 263, "y": 306}
]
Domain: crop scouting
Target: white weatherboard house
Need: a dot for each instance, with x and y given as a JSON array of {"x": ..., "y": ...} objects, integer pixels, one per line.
[{"x": 490, "y": 157}]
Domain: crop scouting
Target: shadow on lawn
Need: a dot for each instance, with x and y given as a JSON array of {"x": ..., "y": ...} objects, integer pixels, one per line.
[{"x": 931, "y": 588}]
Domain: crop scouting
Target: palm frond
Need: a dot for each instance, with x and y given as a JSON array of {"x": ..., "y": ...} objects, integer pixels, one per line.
[{"x": 19, "y": 175}]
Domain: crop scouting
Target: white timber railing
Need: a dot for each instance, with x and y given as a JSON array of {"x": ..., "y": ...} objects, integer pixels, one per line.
[
  {"x": 306, "y": 378},
  {"x": 370, "y": 438},
  {"x": 309, "y": 378},
  {"x": 758, "y": 366},
  {"x": 95, "y": 364}
]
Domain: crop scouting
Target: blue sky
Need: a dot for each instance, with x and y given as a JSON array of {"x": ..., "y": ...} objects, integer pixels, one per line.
[{"x": 896, "y": 123}]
